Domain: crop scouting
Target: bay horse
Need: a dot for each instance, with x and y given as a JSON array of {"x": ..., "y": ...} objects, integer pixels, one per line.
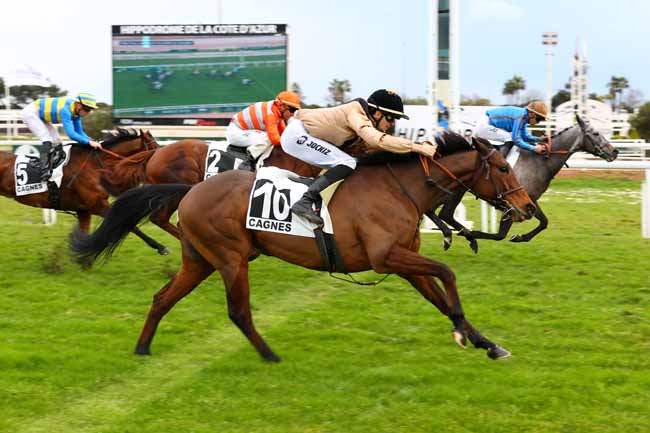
[
  {"x": 80, "y": 190},
  {"x": 181, "y": 162},
  {"x": 376, "y": 213},
  {"x": 535, "y": 173}
]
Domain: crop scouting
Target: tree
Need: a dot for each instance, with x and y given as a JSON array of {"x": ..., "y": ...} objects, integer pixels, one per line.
[
  {"x": 338, "y": 90},
  {"x": 419, "y": 100},
  {"x": 560, "y": 97},
  {"x": 513, "y": 86},
  {"x": 23, "y": 95},
  {"x": 295, "y": 88},
  {"x": 474, "y": 100},
  {"x": 99, "y": 120},
  {"x": 616, "y": 86},
  {"x": 633, "y": 98},
  {"x": 641, "y": 121}
]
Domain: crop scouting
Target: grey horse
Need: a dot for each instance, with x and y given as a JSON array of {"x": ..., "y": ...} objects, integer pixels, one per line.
[{"x": 534, "y": 173}]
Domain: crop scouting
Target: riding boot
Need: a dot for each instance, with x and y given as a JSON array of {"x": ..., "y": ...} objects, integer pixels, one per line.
[
  {"x": 46, "y": 169},
  {"x": 304, "y": 206}
]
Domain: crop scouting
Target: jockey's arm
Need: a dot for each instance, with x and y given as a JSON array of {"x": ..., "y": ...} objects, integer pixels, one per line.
[
  {"x": 271, "y": 122},
  {"x": 375, "y": 138},
  {"x": 520, "y": 137},
  {"x": 73, "y": 128}
]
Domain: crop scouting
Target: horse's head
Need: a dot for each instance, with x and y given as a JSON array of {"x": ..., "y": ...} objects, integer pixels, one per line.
[
  {"x": 129, "y": 141},
  {"x": 495, "y": 181},
  {"x": 593, "y": 142}
]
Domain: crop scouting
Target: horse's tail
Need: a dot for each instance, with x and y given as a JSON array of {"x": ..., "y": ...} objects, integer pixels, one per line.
[
  {"x": 126, "y": 173},
  {"x": 122, "y": 217}
]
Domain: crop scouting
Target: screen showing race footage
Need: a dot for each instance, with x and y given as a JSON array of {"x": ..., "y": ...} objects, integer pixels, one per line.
[{"x": 195, "y": 74}]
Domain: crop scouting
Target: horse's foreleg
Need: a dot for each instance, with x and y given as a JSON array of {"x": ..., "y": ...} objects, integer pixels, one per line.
[
  {"x": 543, "y": 223},
  {"x": 192, "y": 272},
  {"x": 430, "y": 290},
  {"x": 447, "y": 215},
  {"x": 403, "y": 261},
  {"x": 504, "y": 228},
  {"x": 239, "y": 309},
  {"x": 446, "y": 231}
]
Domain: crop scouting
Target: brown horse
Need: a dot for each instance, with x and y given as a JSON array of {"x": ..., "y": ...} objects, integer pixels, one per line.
[
  {"x": 181, "y": 162},
  {"x": 375, "y": 212},
  {"x": 80, "y": 189}
]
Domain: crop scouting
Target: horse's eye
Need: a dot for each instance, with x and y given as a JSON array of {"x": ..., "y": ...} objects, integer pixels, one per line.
[{"x": 503, "y": 169}]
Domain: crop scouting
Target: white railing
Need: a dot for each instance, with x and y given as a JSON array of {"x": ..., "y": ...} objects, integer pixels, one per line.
[{"x": 490, "y": 222}]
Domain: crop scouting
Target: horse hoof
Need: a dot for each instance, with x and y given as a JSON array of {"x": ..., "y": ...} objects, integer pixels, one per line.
[
  {"x": 498, "y": 352},
  {"x": 460, "y": 338},
  {"x": 516, "y": 238},
  {"x": 271, "y": 357},
  {"x": 164, "y": 251},
  {"x": 447, "y": 243},
  {"x": 142, "y": 351},
  {"x": 474, "y": 246}
]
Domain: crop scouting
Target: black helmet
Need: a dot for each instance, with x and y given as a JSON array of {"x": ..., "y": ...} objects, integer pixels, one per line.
[{"x": 388, "y": 102}]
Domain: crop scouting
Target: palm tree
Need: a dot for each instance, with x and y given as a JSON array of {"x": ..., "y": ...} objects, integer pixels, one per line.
[
  {"x": 338, "y": 89},
  {"x": 616, "y": 86},
  {"x": 513, "y": 86}
]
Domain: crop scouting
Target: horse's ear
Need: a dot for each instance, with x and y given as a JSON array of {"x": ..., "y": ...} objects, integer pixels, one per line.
[
  {"x": 580, "y": 122},
  {"x": 480, "y": 146},
  {"x": 141, "y": 132}
]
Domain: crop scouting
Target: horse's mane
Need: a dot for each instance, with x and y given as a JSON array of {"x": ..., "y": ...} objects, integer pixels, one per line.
[
  {"x": 563, "y": 131},
  {"x": 448, "y": 144},
  {"x": 111, "y": 138}
]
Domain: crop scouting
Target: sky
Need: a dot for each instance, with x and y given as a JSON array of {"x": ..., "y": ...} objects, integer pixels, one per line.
[{"x": 372, "y": 43}]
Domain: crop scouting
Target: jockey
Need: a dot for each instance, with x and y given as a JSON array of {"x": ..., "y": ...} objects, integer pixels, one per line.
[
  {"x": 260, "y": 125},
  {"x": 42, "y": 113},
  {"x": 508, "y": 124},
  {"x": 314, "y": 136}
]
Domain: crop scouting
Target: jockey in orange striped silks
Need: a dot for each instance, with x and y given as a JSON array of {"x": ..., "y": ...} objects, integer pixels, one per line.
[{"x": 260, "y": 125}]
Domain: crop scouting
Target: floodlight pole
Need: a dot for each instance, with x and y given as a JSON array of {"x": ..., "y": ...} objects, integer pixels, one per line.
[
  {"x": 432, "y": 64},
  {"x": 549, "y": 39}
]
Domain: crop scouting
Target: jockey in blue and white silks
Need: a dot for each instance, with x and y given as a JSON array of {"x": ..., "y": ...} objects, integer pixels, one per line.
[
  {"x": 509, "y": 124},
  {"x": 42, "y": 113}
]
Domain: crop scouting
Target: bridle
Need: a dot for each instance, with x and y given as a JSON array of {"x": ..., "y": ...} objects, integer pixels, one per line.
[
  {"x": 599, "y": 148},
  {"x": 483, "y": 164}
]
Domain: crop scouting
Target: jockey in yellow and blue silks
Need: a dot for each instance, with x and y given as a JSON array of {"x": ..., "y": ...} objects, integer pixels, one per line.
[
  {"x": 509, "y": 124},
  {"x": 42, "y": 113}
]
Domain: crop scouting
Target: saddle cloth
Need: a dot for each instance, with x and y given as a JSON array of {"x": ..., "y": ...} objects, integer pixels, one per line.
[
  {"x": 27, "y": 172},
  {"x": 220, "y": 159},
  {"x": 269, "y": 206}
]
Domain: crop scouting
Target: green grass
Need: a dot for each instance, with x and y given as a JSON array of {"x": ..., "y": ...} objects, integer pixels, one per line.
[
  {"x": 183, "y": 88},
  {"x": 572, "y": 306}
]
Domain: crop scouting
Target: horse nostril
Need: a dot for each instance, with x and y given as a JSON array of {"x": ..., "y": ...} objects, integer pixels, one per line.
[{"x": 615, "y": 152}]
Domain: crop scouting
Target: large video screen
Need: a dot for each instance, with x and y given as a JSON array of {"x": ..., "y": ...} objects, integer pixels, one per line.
[{"x": 195, "y": 74}]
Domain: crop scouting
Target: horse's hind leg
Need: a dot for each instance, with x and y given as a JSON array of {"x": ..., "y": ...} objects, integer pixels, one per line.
[
  {"x": 161, "y": 219},
  {"x": 434, "y": 294},
  {"x": 239, "y": 310},
  {"x": 400, "y": 260},
  {"x": 162, "y": 250},
  {"x": 193, "y": 271}
]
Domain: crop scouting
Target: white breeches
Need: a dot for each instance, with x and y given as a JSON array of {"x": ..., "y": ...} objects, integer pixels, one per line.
[
  {"x": 297, "y": 142},
  {"x": 489, "y": 132},
  {"x": 44, "y": 131},
  {"x": 256, "y": 142}
]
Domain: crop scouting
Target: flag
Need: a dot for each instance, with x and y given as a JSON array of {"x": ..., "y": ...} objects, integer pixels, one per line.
[{"x": 26, "y": 76}]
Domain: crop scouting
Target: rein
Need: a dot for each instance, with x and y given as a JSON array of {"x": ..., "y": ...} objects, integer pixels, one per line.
[{"x": 484, "y": 163}]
